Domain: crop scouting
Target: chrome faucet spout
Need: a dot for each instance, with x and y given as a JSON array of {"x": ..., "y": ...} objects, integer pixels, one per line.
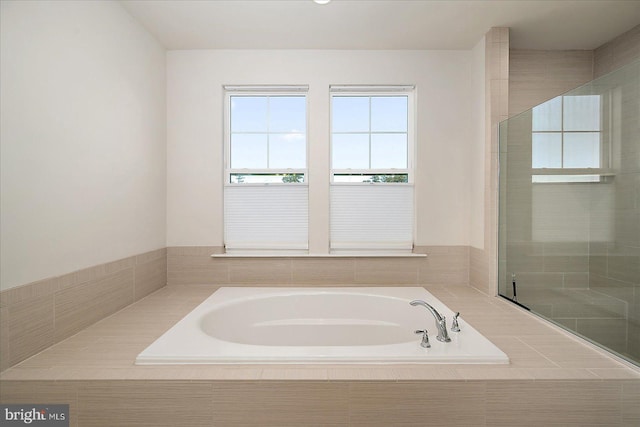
[{"x": 441, "y": 321}]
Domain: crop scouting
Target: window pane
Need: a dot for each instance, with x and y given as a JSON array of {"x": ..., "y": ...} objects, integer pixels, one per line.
[
  {"x": 350, "y": 114},
  {"x": 350, "y": 151},
  {"x": 389, "y": 114},
  {"x": 546, "y": 150},
  {"x": 287, "y": 151},
  {"x": 248, "y": 114},
  {"x": 389, "y": 151},
  {"x": 582, "y": 150},
  {"x": 548, "y": 116},
  {"x": 582, "y": 113},
  {"x": 249, "y": 151},
  {"x": 287, "y": 114}
]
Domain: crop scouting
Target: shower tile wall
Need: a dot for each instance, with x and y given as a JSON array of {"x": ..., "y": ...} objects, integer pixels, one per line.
[
  {"x": 614, "y": 264},
  {"x": 577, "y": 258},
  {"x": 617, "y": 52},
  {"x": 543, "y": 255}
]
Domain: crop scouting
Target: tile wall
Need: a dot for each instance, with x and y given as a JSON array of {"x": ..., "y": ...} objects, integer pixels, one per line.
[
  {"x": 194, "y": 265},
  {"x": 614, "y": 265},
  {"x": 473, "y": 403},
  {"x": 38, "y": 315},
  {"x": 482, "y": 262},
  {"x": 575, "y": 248},
  {"x": 616, "y": 53}
]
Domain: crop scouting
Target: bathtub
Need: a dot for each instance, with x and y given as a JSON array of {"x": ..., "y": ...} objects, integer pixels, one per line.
[{"x": 316, "y": 325}]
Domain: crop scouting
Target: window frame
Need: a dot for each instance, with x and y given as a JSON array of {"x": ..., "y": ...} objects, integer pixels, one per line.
[
  {"x": 370, "y": 92},
  {"x": 263, "y": 91}
]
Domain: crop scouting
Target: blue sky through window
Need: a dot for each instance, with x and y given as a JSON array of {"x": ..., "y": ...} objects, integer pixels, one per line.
[
  {"x": 369, "y": 132},
  {"x": 268, "y": 132}
]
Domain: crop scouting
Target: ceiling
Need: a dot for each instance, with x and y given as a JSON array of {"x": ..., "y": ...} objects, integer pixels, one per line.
[{"x": 381, "y": 24}]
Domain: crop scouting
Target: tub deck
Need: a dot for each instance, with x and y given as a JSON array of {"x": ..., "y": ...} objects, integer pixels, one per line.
[{"x": 95, "y": 368}]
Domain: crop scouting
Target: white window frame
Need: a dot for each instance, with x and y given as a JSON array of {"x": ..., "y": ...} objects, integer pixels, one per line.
[
  {"x": 256, "y": 91},
  {"x": 253, "y": 231},
  {"x": 373, "y": 91},
  {"x": 368, "y": 191}
]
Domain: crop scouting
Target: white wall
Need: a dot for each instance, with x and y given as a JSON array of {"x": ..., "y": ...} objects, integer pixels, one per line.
[
  {"x": 477, "y": 160},
  {"x": 82, "y": 138},
  {"x": 445, "y": 132}
]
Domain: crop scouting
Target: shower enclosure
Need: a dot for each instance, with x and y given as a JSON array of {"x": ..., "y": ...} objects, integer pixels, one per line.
[{"x": 569, "y": 236}]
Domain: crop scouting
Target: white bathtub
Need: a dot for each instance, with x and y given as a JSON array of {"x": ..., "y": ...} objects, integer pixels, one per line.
[{"x": 316, "y": 325}]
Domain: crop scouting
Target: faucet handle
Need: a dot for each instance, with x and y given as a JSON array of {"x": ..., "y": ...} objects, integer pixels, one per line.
[
  {"x": 454, "y": 324},
  {"x": 425, "y": 338}
]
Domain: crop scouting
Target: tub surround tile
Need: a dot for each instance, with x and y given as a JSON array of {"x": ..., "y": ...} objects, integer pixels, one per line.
[
  {"x": 564, "y": 374},
  {"x": 33, "y": 374},
  {"x": 167, "y": 403},
  {"x": 323, "y": 271},
  {"x": 4, "y": 338},
  {"x": 48, "y": 311},
  {"x": 98, "y": 364},
  {"x": 151, "y": 256},
  {"x": 410, "y": 403},
  {"x": 479, "y": 270},
  {"x": 520, "y": 354},
  {"x": 553, "y": 403},
  {"x": 535, "y": 349},
  {"x": 275, "y": 271},
  {"x": 281, "y": 403},
  {"x": 630, "y": 407},
  {"x": 444, "y": 265},
  {"x": 614, "y": 373},
  {"x": 476, "y": 403},
  {"x": 30, "y": 327},
  {"x": 386, "y": 271},
  {"x": 30, "y": 291},
  {"x": 82, "y": 305},
  {"x": 426, "y": 373},
  {"x": 294, "y": 374},
  {"x": 361, "y": 373},
  {"x": 478, "y": 373},
  {"x": 447, "y": 265},
  {"x": 63, "y": 392},
  {"x": 149, "y": 277},
  {"x": 193, "y": 265}
]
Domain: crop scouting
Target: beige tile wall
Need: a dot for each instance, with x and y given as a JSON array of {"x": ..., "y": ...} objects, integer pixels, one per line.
[
  {"x": 614, "y": 267},
  {"x": 194, "y": 265},
  {"x": 279, "y": 403},
  {"x": 618, "y": 52},
  {"x": 483, "y": 262},
  {"x": 536, "y": 76},
  {"x": 37, "y": 315},
  {"x": 554, "y": 278}
]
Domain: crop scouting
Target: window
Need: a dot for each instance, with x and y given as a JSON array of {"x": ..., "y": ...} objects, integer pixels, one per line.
[
  {"x": 566, "y": 134},
  {"x": 266, "y": 196},
  {"x": 371, "y": 168}
]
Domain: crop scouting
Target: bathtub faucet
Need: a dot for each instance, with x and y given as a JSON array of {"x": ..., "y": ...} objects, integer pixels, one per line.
[{"x": 441, "y": 321}]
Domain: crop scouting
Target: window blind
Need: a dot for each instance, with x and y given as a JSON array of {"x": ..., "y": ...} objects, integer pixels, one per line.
[
  {"x": 372, "y": 217},
  {"x": 266, "y": 217}
]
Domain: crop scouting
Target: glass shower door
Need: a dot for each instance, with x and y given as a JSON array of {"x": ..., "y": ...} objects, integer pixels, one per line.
[{"x": 570, "y": 211}]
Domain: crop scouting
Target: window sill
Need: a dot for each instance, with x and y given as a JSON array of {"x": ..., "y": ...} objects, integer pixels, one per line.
[{"x": 343, "y": 254}]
